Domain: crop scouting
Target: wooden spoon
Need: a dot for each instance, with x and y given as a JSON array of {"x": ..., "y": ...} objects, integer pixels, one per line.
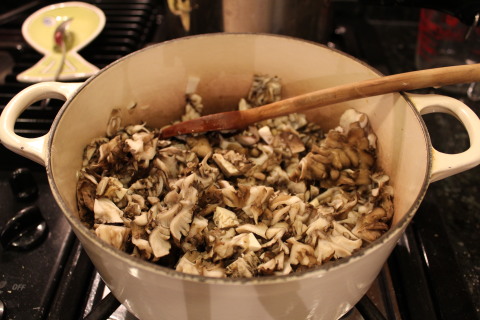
[{"x": 400, "y": 82}]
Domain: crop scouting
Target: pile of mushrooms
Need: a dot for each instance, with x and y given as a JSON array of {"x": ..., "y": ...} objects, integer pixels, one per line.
[{"x": 280, "y": 196}]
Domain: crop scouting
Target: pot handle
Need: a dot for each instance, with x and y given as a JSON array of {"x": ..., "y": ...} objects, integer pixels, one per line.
[
  {"x": 443, "y": 164},
  {"x": 32, "y": 148}
]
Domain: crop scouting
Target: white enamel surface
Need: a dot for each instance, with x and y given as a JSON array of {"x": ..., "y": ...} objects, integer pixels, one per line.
[
  {"x": 34, "y": 149},
  {"x": 155, "y": 80},
  {"x": 445, "y": 165}
]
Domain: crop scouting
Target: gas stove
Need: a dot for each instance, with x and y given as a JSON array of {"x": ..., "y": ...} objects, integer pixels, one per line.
[{"x": 433, "y": 272}]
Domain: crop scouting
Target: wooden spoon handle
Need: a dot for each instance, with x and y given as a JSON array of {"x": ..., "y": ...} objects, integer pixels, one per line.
[{"x": 399, "y": 82}]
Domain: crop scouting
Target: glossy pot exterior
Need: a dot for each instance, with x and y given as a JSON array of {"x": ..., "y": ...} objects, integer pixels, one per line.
[
  {"x": 306, "y": 19},
  {"x": 154, "y": 81}
]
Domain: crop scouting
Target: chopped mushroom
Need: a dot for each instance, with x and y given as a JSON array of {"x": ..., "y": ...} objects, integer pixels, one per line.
[
  {"x": 225, "y": 218},
  {"x": 278, "y": 197},
  {"x": 113, "y": 235},
  {"x": 106, "y": 211},
  {"x": 244, "y": 267},
  {"x": 159, "y": 243}
]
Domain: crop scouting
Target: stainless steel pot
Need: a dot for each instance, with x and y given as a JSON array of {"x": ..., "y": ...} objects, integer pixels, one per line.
[
  {"x": 306, "y": 19},
  {"x": 155, "y": 79}
]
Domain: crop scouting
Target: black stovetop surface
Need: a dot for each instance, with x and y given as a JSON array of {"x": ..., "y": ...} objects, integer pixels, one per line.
[
  {"x": 438, "y": 259},
  {"x": 434, "y": 269}
]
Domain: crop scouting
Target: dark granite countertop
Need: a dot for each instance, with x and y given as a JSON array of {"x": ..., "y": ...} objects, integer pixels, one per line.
[{"x": 447, "y": 224}]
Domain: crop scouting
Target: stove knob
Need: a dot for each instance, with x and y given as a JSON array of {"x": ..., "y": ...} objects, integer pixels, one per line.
[
  {"x": 23, "y": 185},
  {"x": 25, "y": 230}
]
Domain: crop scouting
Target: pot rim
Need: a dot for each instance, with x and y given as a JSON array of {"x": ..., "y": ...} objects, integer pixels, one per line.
[{"x": 317, "y": 271}]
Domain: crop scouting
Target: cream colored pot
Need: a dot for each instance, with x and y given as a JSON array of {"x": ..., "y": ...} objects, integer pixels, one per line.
[{"x": 155, "y": 80}]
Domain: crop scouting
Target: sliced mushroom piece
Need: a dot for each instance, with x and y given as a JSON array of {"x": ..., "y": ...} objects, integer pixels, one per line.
[
  {"x": 344, "y": 247},
  {"x": 111, "y": 188},
  {"x": 380, "y": 180},
  {"x": 232, "y": 163},
  {"x": 275, "y": 264},
  {"x": 199, "y": 224},
  {"x": 109, "y": 150},
  {"x": 295, "y": 206},
  {"x": 324, "y": 250},
  {"x": 343, "y": 241},
  {"x": 244, "y": 266},
  {"x": 336, "y": 198},
  {"x": 165, "y": 215},
  {"x": 131, "y": 130},
  {"x": 259, "y": 229},
  {"x": 106, "y": 211},
  {"x": 113, "y": 235},
  {"x": 222, "y": 244},
  {"x": 248, "y": 137},
  {"x": 299, "y": 212},
  {"x": 143, "y": 147},
  {"x": 310, "y": 167},
  {"x": 283, "y": 199},
  {"x": 243, "y": 104},
  {"x": 159, "y": 241},
  {"x": 131, "y": 210},
  {"x": 277, "y": 230},
  {"x": 256, "y": 201},
  {"x": 279, "y": 214},
  {"x": 143, "y": 247},
  {"x": 293, "y": 141},
  {"x": 224, "y": 218},
  {"x": 114, "y": 122},
  {"x": 91, "y": 152},
  {"x": 180, "y": 224},
  {"x": 134, "y": 146},
  {"x": 172, "y": 160},
  {"x": 187, "y": 266},
  {"x": 200, "y": 145},
  {"x": 86, "y": 190},
  {"x": 351, "y": 116},
  {"x": 370, "y": 227},
  {"x": 319, "y": 224},
  {"x": 141, "y": 220},
  {"x": 193, "y": 107},
  {"x": 253, "y": 244},
  {"x": 299, "y": 228},
  {"x": 301, "y": 253},
  {"x": 152, "y": 186},
  {"x": 187, "y": 191},
  {"x": 214, "y": 270},
  {"x": 278, "y": 177},
  {"x": 246, "y": 241},
  {"x": 265, "y": 133},
  {"x": 261, "y": 161},
  {"x": 268, "y": 267},
  {"x": 227, "y": 167},
  {"x": 351, "y": 219},
  {"x": 207, "y": 174}
]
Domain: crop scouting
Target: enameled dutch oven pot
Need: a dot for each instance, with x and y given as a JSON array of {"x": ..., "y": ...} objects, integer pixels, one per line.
[{"x": 154, "y": 80}]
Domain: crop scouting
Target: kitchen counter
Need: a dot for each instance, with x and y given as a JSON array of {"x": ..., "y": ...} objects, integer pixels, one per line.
[{"x": 446, "y": 229}]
